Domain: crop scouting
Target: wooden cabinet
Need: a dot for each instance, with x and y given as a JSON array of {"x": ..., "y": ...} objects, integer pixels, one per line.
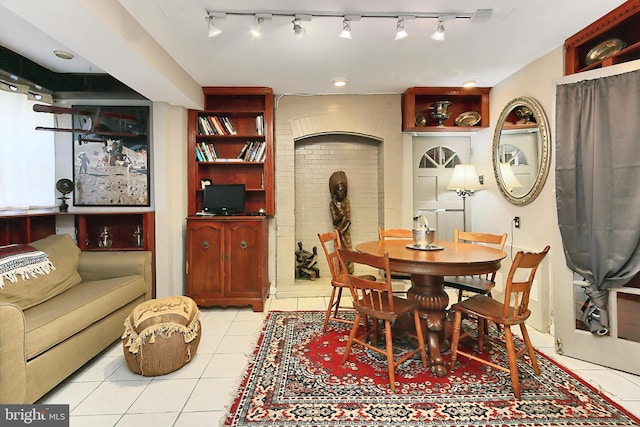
[
  {"x": 26, "y": 228},
  {"x": 416, "y": 103},
  {"x": 248, "y": 113},
  {"x": 124, "y": 227},
  {"x": 227, "y": 261},
  {"x": 129, "y": 231},
  {"x": 600, "y": 38}
]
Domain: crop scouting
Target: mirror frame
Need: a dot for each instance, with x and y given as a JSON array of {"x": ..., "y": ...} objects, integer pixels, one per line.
[{"x": 545, "y": 148}]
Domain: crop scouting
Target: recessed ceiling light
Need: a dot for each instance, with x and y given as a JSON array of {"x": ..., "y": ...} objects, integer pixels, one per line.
[
  {"x": 63, "y": 54},
  {"x": 340, "y": 82},
  {"x": 469, "y": 83}
]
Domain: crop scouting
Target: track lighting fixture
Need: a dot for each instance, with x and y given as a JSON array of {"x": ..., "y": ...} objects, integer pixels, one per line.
[
  {"x": 480, "y": 15},
  {"x": 400, "y": 31},
  {"x": 210, "y": 18},
  {"x": 297, "y": 28},
  {"x": 256, "y": 31},
  {"x": 439, "y": 34},
  {"x": 346, "y": 29}
]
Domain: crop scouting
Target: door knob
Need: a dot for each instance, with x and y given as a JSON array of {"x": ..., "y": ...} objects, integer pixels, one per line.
[
  {"x": 205, "y": 245},
  {"x": 243, "y": 244}
]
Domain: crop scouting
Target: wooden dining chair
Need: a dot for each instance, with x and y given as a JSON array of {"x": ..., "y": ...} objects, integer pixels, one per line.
[
  {"x": 480, "y": 283},
  {"x": 514, "y": 310},
  {"x": 330, "y": 242},
  {"x": 375, "y": 300},
  {"x": 396, "y": 233}
]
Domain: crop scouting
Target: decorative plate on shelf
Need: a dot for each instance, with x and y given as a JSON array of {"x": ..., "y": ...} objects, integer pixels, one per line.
[
  {"x": 468, "y": 118},
  {"x": 64, "y": 185},
  {"x": 604, "y": 50}
]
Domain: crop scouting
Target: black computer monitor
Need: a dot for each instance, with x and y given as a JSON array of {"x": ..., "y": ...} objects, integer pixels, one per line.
[{"x": 224, "y": 199}]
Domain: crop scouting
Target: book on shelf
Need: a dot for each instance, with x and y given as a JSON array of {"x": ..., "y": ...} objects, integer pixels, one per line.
[
  {"x": 243, "y": 150},
  {"x": 228, "y": 125},
  {"x": 254, "y": 151},
  {"x": 260, "y": 124},
  {"x": 199, "y": 156},
  {"x": 216, "y": 125},
  {"x": 208, "y": 151},
  {"x": 204, "y": 127},
  {"x": 229, "y": 160},
  {"x": 262, "y": 152}
]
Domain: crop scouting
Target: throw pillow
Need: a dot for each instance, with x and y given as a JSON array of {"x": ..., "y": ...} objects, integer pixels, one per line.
[{"x": 64, "y": 254}]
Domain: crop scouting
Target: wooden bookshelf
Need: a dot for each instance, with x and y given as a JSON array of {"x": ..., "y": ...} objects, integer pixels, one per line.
[
  {"x": 249, "y": 111},
  {"x": 226, "y": 257}
]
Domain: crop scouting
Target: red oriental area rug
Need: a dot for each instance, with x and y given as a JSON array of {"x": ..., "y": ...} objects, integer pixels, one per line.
[{"x": 296, "y": 378}]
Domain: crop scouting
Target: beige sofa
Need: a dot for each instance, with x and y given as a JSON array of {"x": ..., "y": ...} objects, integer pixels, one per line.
[{"x": 52, "y": 324}]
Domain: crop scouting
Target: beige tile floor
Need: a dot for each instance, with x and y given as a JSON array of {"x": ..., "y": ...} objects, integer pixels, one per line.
[{"x": 106, "y": 393}]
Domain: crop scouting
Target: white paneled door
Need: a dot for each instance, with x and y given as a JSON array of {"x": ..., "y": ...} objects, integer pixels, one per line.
[{"x": 434, "y": 158}]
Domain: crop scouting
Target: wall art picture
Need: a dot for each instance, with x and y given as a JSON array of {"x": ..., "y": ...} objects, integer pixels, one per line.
[{"x": 111, "y": 155}]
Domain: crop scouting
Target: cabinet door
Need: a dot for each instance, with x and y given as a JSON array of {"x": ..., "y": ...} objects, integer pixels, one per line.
[
  {"x": 204, "y": 260},
  {"x": 244, "y": 248}
]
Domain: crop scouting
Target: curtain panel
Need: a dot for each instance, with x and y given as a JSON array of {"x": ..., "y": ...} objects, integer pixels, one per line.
[{"x": 598, "y": 184}]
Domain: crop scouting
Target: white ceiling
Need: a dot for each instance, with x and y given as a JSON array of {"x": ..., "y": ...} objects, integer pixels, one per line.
[{"x": 160, "y": 48}]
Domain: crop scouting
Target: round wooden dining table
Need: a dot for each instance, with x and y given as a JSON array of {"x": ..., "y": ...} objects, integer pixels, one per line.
[{"x": 427, "y": 269}]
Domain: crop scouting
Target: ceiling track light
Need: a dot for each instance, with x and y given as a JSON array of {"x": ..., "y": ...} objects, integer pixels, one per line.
[
  {"x": 439, "y": 34},
  {"x": 298, "y": 30},
  {"x": 346, "y": 29},
  {"x": 256, "y": 31},
  {"x": 401, "y": 33},
  {"x": 210, "y": 18}
]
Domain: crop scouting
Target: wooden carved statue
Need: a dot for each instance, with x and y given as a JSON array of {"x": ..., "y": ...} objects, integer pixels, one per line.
[
  {"x": 306, "y": 263},
  {"x": 340, "y": 208}
]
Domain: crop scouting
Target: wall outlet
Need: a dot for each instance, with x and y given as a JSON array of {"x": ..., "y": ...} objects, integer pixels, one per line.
[{"x": 516, "y": 222}]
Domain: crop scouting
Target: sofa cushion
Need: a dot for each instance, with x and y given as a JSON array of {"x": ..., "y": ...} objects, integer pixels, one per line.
[
  {"x": 64, "y": 255},
  {"x": 74, "y": 310}
]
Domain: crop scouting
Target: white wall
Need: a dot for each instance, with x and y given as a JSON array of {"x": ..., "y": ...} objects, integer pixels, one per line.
[{"x": 538, "y": 220}]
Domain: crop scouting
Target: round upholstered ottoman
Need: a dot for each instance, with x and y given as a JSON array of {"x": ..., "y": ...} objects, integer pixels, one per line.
[{"x": 161, "y": 335}]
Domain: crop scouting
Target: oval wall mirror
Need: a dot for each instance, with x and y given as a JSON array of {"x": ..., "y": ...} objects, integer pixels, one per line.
[{"x": 521, "y": 150}]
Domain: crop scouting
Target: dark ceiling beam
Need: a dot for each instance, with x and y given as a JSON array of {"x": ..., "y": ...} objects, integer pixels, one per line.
[{"x": 13, "y": 63}]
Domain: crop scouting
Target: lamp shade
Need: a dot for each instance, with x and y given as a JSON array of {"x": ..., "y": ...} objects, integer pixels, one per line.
[
  {"x": 508, "y": 178},
  {"x": 464, "y": 179}
]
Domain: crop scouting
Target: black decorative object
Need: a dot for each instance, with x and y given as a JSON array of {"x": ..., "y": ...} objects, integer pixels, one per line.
[{"x": 64, "y": 186}]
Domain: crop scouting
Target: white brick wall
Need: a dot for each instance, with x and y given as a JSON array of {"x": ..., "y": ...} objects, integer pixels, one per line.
[{"x": 316, "y": 136}]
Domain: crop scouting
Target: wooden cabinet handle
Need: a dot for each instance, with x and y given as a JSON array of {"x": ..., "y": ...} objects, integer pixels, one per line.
[
  {"x": 243, "y": 244},
  {"x": 205, "y": 245}
]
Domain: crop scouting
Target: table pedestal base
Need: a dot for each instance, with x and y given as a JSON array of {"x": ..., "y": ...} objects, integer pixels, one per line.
[{"x": 429, "y": 292}]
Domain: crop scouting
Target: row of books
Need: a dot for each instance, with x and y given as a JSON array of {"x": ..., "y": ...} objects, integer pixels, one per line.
[
  {"x": 252, "y": 151},
  {"x": 206, "y": 152},
  {"x": 215, "y": 125}
]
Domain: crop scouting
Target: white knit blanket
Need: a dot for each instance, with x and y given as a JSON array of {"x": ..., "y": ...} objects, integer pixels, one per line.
[{"x": 24, "y": 261}]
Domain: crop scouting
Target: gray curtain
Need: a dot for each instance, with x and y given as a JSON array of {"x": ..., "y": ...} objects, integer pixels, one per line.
[{"x": 598, "y": 184}]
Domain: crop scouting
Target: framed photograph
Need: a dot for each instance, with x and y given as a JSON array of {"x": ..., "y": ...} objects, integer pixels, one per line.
[{"x": 111, "y": 155}]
